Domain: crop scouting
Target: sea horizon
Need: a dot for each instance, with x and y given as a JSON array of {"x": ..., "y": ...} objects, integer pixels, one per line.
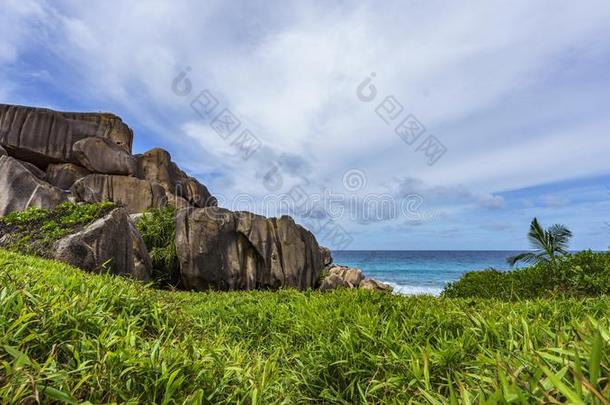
[{"x": 416, "y": 272}]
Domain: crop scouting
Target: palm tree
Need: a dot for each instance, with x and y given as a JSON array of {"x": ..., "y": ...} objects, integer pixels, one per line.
[{"x": 548, "y": 244}]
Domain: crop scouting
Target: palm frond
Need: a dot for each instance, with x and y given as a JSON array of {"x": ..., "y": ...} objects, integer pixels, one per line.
[{"x": 528, "y": 257}]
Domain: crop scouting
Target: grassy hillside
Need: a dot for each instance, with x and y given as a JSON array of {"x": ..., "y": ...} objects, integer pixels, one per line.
[{"x": 66, "y": 336}]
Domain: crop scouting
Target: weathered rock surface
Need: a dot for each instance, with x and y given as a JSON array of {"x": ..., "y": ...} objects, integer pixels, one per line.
[
  {"x": 334, "y": 281},
  {"x": 100, "y": 155},
  {"x": 370, "y": 284},
  {"x": 350, "y": 275},
  {"x": 20, "y": 189},
  {"x": 64, "y": 175},
  {"x": 134, "y": 194},
  {"x": 43, "y": 136},
  {"x": 3, "y": 151},
  {"x": 227, "y": 250},
  {"x": 352, "y": 278},
  {"x": 107, "y": 245},
  {"x": 327, "y": 258},
  {"x": 33, "y": 169},
  {"x": 157, "y": 165},
  {"x": 142, "y": 262}
]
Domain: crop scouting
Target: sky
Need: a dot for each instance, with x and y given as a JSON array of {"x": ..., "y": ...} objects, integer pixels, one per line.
[{"x": 378, "y": 125}]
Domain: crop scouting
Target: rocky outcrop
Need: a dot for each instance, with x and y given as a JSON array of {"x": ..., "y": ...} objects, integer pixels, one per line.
[
  {"x": 33, "y": 169},
  {"x": 327, "y": 257},
  {"x": 142, "y": 262},
  {"x": 107, "y": 245},
  {"x": 100, "y": 155},
  {"x": 226, "y": 250},
  {"x": 20, "y": 189},
  {"x": 134, "y": 194},
  {"x": 351, "y": 278},
  {"x": 370, "y": 284},
  {"x": 43, "y": 136},
  {"x": 64, "y": 175},
  {"x": 156, "y": 166}
]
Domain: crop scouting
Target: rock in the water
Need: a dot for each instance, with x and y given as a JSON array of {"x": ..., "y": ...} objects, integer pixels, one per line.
[
  {"x": 327, "y": 258},
  {"x": 334, "y": 281},
  {"x": 370, "y": 284},
  {"x": 64, "y": 175},
  {"x": 226, "y": 250},
  {"x": 107, "y": 245},
  {"x": 3, "y": 151},
  {"x": 100, "y": 155},
  {"x": 156, "y": 165},
  {"x": 351, "y": 275},
  {"x": 134, "y": 194},
  {"x": 43, "y": 136},
  {"x": 21, "y": 189}
]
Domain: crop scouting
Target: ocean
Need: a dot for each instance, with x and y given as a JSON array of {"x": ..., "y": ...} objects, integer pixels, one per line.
[{"x": 421, "y": 272}]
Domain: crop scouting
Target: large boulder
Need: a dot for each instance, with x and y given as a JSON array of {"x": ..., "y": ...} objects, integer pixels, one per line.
[
  {"x": 226, "y": 250},
  {"x": 42, "y": 136},
  {"x": 64, "y": 175},
  {"x": 20, "y": 189},
  {"x": 351, "y": 275},
  {"x": 106, "y": 245},
  {"x": 134, "y": 194},
  {"x": 332, "y": 282},
  {"x": 100, "y": 155},
  {"x": 156, "y": 165}
]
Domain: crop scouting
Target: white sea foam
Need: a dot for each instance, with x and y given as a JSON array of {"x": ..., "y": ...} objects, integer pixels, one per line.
[{"x": 415, "y": 289}]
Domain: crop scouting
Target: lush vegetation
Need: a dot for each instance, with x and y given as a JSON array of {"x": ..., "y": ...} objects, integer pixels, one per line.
[
  {"x": 582, "y": 274},
  {"x": 158, "y": 229},
  {"x": 34, "y": 230},
  {"x": 548, "y": 244},
  {"x": 69, "y": 336}
]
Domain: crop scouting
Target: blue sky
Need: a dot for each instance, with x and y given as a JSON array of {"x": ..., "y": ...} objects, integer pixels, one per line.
[{"x": 518, "y": 93}]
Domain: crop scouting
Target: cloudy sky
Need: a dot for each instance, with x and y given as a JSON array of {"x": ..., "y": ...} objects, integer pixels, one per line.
[{"x": 402, "y": 125}]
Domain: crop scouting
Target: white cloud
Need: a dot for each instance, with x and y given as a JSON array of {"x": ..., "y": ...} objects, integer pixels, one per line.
[{"x": 486, "y": 77}]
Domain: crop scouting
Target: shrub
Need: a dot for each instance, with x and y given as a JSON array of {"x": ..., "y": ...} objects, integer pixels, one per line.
[
  {"x": 34, "y": 230},
  {"x": 581, "y": 274},
  {"x": 158, "y": 229}
]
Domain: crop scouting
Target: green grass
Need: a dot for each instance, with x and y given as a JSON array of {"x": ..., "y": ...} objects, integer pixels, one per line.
[
  {"x": 69, "y": 336},
  {"x": 34, "y": 230},
  {"x": 581, "y": 274}
]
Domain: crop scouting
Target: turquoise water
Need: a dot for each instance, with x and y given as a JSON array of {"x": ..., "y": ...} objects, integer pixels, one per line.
[{"x": 421, "y": 272}]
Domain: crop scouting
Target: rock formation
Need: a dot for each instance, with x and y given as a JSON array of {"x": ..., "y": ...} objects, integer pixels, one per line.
[
  {"x": 64, "y": 175},
  {"x": 48, "y": 157},
  {"x": 20, "y": 189},
  {"x": 156, "y": 166},
  {"x": 107, "y": 245},
  {"x": 43, "y": 136},
  {"x": 350, "y": 277},
  {"x": 134, "y": 194},
  {"x": 228, "y": 250}
]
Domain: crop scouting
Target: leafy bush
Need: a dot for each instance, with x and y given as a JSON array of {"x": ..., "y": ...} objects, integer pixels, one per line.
[
  {"x": 582, "y": 274},
  {"x": 67, "y": 337},
  {"x": 158, "y": 229},
  {"x": 34, "y": 230}
]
